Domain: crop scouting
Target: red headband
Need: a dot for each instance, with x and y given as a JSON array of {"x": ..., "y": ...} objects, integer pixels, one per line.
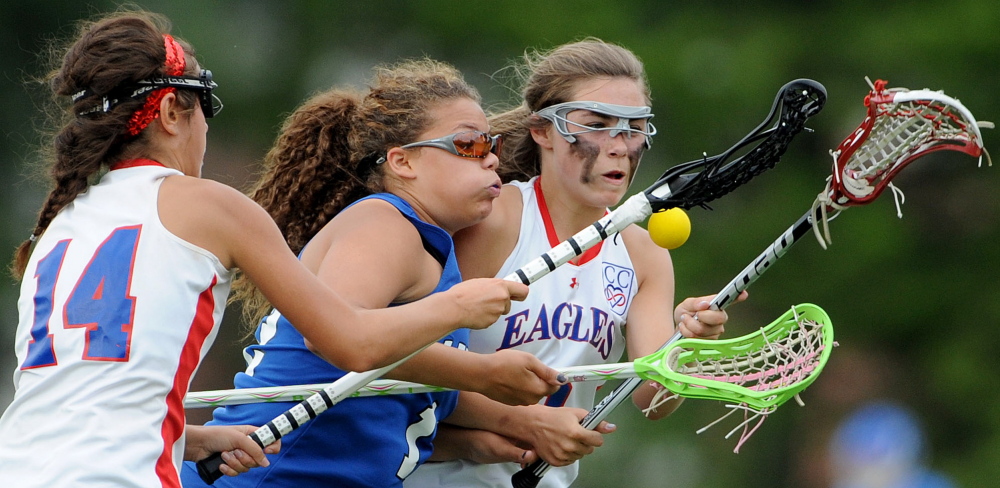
[{"x": 174, "y": 66}]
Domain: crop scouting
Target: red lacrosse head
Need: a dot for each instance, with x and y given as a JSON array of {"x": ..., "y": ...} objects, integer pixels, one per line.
[{"x": 901, "y": 126}]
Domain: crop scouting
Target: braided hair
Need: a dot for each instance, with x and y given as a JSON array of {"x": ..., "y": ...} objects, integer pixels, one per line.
[{"x": 114, "y": 51}]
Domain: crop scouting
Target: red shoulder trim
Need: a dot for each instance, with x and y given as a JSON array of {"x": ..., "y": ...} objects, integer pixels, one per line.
[{"x": 550, "y": 230}]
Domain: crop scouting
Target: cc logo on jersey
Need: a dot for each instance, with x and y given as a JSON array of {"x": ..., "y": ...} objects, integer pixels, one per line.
[{"x": 618, "y": 282}]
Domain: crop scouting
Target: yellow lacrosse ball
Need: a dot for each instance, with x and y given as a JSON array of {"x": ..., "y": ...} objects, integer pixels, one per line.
[{"x": 670, "y": 228}]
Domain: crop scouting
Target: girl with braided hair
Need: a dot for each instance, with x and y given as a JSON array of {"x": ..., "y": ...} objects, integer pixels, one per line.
[
  {"x": 124, "y": 280},
  {"x": 368, "y": 187}
]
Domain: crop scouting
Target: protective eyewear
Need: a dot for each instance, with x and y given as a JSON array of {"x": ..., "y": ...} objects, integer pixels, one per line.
[
  {"x": 210, "y": 104},
  {"x": 624, "y": 113},
  {"x": 469, "y": 144}
]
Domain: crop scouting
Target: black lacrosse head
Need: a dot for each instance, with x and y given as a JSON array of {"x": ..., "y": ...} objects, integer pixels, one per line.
[{"x": 698, "y": 182}]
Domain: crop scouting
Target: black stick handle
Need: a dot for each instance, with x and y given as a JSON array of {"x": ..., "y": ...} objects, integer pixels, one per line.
[
  {"x": 208, "y": 468},
  {"x": 526, "y": 478}
]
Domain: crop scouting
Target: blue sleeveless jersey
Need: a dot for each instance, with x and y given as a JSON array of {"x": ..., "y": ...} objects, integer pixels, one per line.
[{"x": 360, "y": 442}]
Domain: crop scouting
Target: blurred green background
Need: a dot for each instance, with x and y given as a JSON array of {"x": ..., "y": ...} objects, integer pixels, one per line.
[{"x": 909, "y": 297}]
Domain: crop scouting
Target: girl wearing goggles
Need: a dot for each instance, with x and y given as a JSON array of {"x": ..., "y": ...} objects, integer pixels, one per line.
[
  {"x": 572, "y": 148},
  {"x": 368, "y": 188}
]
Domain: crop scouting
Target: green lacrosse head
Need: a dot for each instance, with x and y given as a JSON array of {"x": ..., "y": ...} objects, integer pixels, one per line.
[{"x": 763, "y": 369}]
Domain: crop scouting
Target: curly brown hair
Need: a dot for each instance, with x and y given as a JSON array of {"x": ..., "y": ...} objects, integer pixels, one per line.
[
  {"x": 549, "y": 78},
  {"x": 325, "y": 155},
  {"x": 106, "y": 54}
]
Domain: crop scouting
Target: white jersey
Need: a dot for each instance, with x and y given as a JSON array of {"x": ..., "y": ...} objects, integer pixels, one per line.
[
  {"x": 573, "y": 316},
  {"x": 115, "y": 314}
]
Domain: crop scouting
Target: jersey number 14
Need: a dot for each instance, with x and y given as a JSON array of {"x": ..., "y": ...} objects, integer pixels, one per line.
[{"x": 99, "y": 303}]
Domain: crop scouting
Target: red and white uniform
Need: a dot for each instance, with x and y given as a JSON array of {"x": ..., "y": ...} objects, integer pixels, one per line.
[
  {"x": 573, "y": 316},
  {"x": 115, "y": 314}
]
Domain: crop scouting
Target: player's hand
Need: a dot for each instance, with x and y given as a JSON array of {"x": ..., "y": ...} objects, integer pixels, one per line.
[
  {"x": 695, "y": 319},
  {"x": 556, "y": 436},
  {"x": 517, "y": 377},
  {"x": 239, "y": 452},
  {"x": 479, "y": 446},
  {"x": 482, "y": 301}
]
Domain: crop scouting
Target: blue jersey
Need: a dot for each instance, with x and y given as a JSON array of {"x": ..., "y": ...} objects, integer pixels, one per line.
[{"x": 360, "y": 442}]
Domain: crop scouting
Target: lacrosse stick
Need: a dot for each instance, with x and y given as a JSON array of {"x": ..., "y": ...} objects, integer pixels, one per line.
[
  {"x": 297, "y": 393},
  {"x": 762, "y": 369},
  {"x": 756, "y": 372},
  {"x": 686, "y": 185},
  {"x": 901, "y": 126}
]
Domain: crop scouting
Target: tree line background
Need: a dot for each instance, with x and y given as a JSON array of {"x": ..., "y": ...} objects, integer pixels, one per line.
[{"x": 909, "y": 297}]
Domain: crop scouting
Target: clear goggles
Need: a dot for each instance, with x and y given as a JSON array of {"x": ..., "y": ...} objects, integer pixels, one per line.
[{"x": 625, "y": 114}]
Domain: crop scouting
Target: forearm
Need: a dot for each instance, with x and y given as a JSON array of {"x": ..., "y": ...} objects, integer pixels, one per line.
[
  {"x": 478, "y": 446},
  {"x": 395, "y": 332},
  {"x": 522, "y": 423},
  {"x": 472, "y": 432},
  {"x": 445, "y": 366},
  {"x": 453, "y": 442},
  {"x": 508, "y": 376},
  {"x": 476, "y": 411},
  {"x": 379, "y": 337},
  {"x": 554, "y": 434}
]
